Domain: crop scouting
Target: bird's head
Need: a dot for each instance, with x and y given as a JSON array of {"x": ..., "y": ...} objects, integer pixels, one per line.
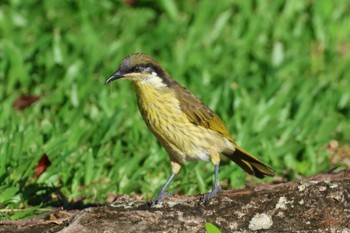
[{"x": 141, "y": 68}]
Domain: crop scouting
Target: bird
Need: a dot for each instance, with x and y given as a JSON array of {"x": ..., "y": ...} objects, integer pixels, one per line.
[{"x": 186, "y": 128}]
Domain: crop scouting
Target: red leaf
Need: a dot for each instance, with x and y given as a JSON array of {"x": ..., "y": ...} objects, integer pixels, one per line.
[
  {"x": 130, "y": 2},
  {"x": 42, "y": 165},
  {"x": 24, "y": 102}
]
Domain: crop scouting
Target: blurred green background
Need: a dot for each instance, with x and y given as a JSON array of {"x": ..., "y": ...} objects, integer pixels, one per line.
[{"x": 276, "y": 72}]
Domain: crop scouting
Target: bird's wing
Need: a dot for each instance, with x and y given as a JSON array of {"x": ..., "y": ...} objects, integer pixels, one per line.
[{"x": 198, "y": 113}]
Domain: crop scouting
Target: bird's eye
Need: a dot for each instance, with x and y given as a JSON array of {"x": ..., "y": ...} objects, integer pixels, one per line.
[{"x": 137, "y": 69}]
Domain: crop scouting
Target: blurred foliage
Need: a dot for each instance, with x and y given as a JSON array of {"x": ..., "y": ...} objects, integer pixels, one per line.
[{"x": 275, "y": 71}]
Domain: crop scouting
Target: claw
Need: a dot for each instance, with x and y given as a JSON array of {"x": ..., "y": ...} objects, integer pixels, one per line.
[
  {"x": 160, "y": 197},
  {"x": 206, "y": 197}
]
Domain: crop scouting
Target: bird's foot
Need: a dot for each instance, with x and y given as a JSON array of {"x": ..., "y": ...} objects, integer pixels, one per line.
[
  {"x": 160, "y": 197},
  {"x": 206, "y": 197}
]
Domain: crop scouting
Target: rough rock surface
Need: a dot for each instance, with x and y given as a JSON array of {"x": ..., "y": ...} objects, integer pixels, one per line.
[{"x": 317, "y": 204}]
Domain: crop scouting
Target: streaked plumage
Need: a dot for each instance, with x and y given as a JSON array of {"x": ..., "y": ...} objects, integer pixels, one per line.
[{"x": 186, "y": 127}]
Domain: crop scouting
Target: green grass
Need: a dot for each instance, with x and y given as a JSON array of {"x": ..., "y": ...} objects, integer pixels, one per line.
[{"x": 275, "y": 71}]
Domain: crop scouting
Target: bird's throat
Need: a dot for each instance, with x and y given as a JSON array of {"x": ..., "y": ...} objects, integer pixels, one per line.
[{"x": 156, "y": 101}]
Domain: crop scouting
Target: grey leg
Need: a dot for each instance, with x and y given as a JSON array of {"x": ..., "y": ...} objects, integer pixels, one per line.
[
  {"x": 162, "y": 194},
  {"x": 216, "y": 188}
]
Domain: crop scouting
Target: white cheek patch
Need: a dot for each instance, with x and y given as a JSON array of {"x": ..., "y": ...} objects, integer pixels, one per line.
[{"x": 154, "y": 80}]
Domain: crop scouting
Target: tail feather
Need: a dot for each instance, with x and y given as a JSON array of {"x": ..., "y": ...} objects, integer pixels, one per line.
[{"x": 250, "y": 164}]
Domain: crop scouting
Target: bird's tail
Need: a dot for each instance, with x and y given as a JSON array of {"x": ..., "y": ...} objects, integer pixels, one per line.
[{"x": 250, "y": 164}]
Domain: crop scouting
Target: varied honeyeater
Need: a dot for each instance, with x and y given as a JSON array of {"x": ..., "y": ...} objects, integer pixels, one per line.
[{"x": 186, "y": 127}]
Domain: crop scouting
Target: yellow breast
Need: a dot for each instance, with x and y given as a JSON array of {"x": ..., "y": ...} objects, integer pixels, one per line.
[{"x": 183, "y": 140}]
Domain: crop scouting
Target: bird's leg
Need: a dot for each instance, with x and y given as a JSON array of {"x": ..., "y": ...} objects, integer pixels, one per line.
[
  {"x": 162, "y": 194},
  {"x": 216, "y": 188}
]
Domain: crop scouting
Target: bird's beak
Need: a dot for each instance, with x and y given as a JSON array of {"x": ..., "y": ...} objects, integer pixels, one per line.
[{"x": 116, "y": 75}]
